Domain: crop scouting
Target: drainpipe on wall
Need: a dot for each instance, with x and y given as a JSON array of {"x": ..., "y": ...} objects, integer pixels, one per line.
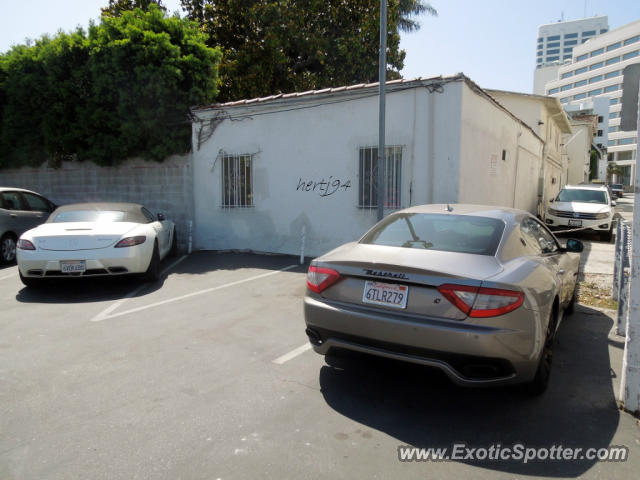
[
  {"x": 515, "y": 178},
  {"x": 543, "y": 168}
]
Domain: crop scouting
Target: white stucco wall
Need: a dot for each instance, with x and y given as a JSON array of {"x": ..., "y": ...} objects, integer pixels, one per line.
[
  {"x": 317, "y": 144},
  {"x": 317, "y": 138},
  {"x": 535, "y": 112},
  {"x": 578, "y": 147},
  {"x": 484, "y": 176}
]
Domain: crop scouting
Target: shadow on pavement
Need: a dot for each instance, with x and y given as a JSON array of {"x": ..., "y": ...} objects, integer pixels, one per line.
[
  {"x": 203, "y": 262},
  {"x": 82, "y": 290},
  {"x": 420, "y": 407}
]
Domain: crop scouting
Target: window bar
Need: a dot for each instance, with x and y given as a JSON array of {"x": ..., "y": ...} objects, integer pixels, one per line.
[
  {"x": 243, "y": 180},
  {"x": 392, "y": 179},
  {"x": 373, "y": 178},
  {"x": 251, "y": 181},
  {"x": 360, "y": 179},
  {"x": 236, "y": 180},
  {"x": 394, "y": 202},
  {"x": 369, "y": 184},
  {"x": 367, "y": 178},
  {"x": 388, "y": 172},
  {"x": 225, "y": 181},
  {"x": 247, "y": 166}
]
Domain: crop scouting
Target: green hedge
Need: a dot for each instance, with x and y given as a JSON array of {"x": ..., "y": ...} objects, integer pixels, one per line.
[{"x": 121, "y": 90}]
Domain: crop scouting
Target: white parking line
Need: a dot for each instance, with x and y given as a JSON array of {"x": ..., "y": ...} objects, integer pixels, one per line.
[
  {"x": 8, "y": 276},
  {"x": 101, "y": 317},
  {"x": 292, "y": 354},
  {"x": 107, "y": 311},
  {"x": 172, "y": 265}
]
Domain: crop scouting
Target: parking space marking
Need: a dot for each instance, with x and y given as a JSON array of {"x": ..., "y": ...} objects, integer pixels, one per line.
[
  {"x": 8, "y": 276},
  {"x": 101, "y": 317},
  {"x": 107, "y": 311},
  {"x": 292, "y": 354},
  {"x": 173, "y": 265}
]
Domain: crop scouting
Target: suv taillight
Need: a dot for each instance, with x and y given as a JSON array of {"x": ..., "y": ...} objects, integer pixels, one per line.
[
  {"x": 320, "y": 278},
  {"x": 481, "y": 302}
]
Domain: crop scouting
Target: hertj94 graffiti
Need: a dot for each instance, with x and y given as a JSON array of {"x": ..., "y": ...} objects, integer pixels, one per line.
[{"x": 324, "y": 188}]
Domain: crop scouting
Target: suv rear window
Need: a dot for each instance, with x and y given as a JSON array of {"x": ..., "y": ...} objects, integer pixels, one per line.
[{"x": 432, "y": 231}]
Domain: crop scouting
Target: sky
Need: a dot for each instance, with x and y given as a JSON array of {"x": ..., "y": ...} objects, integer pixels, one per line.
[{"x": 492, "y": 41}]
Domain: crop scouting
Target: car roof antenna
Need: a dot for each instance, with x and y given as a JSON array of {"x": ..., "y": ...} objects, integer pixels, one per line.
[{"x": 449, "y": 208}]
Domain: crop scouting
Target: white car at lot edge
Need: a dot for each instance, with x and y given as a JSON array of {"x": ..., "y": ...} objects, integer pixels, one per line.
[
  {"x": 582, "y": 206},
  {"x": 96, "y": 239}
]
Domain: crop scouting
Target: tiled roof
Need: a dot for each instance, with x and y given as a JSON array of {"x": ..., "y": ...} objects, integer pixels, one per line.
[
  {"x": 325, "y": 91},
  {"x": 392, "y": 85}
]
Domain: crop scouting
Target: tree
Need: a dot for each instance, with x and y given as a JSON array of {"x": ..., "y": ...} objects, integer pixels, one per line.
[
  {"x": 283, "y": 46},
  {"x": 123, "y": 89},
  {"x": 409, "y": 8},
  {"x": 614, "y": 169},
  {"x": 593, "y": 164},
  {"x": 116, "y": 7},
  {"x": 147, "y": 70}
]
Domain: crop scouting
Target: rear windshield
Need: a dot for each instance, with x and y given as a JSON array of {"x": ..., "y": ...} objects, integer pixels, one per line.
[
  {"x": 585, "y": 196},
  {"x": 617, "y": 186},
  {"x": 432, "y": 231},
  {"x": 106, "y": 216}
]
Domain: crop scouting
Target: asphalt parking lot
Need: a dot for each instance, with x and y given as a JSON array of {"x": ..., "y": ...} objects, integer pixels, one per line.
[{"x": 207, "y": 374}]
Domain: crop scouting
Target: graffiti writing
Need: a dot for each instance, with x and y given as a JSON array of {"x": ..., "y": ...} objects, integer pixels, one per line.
[{"x": 324, "y": 188}]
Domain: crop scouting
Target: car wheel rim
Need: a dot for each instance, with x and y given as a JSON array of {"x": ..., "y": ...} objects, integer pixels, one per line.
[
  {"x": 547, "y": 354},
  {"x": 8, "y": 249}
]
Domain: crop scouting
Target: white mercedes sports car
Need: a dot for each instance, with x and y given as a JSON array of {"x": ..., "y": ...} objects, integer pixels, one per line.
[{"x": 96, "y": 239}]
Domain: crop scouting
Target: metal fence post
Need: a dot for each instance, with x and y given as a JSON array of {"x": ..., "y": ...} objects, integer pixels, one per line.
[
  {"x": 623, "y": 296},
  {"x": 618, "y": 259}
]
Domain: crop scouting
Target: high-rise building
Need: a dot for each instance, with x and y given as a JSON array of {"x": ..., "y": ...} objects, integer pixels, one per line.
[
  {"x": 592, "y": 83},
  {"x": 556, "y": 42}
]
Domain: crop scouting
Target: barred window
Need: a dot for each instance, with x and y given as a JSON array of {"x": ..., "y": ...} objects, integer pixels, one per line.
[
  {"x": 368, "y": 185},
  {"x": 237, "y": 181}
]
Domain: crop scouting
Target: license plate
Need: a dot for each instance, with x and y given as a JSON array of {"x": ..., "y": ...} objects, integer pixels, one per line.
[
  {"x": 386, "y": 294},
  {"x": 575, "y": 223},
  {"x": 73, "y": 266}
]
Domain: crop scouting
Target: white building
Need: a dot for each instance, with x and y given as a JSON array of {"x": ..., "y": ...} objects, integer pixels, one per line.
[
  {"x": 578, "y": 148},
  {"x": 546, "y": 117},
  {"x": 556, "y": 42},
  {"x": 271, "y": 172},
  {"x": 592, "y": 83}
]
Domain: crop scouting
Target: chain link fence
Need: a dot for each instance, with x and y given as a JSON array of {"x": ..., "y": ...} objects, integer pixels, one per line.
[{"x": 621, "y": 272}]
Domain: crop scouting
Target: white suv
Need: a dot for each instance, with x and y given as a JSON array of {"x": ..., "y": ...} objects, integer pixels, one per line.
[{"x": 582, "y": 206}]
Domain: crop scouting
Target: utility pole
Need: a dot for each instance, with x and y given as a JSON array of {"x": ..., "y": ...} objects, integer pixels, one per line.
[
  {"x": 630, "y": 381},
  {"x": 382, "y": 77}
]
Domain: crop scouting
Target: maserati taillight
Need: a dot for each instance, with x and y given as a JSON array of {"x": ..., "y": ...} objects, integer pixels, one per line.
[
  {"x": 480, "y": 302},
  {"x": 320, "y": 278}
]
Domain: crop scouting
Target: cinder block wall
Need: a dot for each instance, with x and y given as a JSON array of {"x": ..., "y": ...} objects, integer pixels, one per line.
[{"x": 165, "y": 187}]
